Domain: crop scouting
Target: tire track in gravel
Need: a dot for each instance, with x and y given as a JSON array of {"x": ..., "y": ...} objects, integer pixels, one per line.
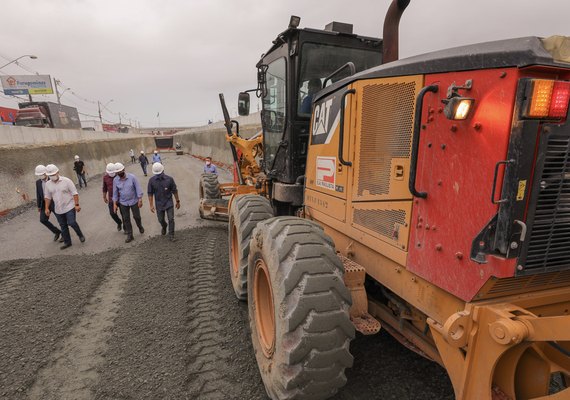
[
  {"x": 207, "y": 359},
  {"x": 72, "y": 370}
]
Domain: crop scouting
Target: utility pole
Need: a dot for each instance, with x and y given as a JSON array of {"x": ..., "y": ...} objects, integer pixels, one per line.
[
  {"x": 99, "y": 107},
  {"x": 55, "y": 82}
]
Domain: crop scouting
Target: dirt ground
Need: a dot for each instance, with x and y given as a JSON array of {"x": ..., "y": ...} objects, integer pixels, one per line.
[{"x": 152, "y": 319}]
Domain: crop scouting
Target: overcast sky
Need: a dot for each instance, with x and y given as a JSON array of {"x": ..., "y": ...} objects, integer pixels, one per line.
[{"x": 175, "y": 56}]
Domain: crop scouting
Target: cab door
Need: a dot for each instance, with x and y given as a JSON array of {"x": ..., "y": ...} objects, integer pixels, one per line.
[{"x": 328, "y": 165}]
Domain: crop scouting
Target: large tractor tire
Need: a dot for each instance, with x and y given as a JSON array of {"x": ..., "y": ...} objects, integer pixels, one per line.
[
  {"x": 245, "y": 213},
  {"x": 298, "y": 310},
  {"x": 209, "y": 187}
]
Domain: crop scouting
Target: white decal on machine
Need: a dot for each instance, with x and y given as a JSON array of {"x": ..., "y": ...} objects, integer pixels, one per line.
[{"x": 326, "y": 172}]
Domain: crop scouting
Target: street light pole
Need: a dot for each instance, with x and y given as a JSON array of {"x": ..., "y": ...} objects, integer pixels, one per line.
[{"x": 16, "y": 60}]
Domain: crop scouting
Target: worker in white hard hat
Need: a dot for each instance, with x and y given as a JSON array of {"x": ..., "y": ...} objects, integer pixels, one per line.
[
  {"x": 132, "y": 155},
  {"x": 108, "y": 193},
  {"x": 156, "y": 157},
  {"x": 63, "y": 193},
  {"x": 79, "y": 168},
  {"x": 143, "y": 160},
  {"x": 161, "y": 188},
  {"x": 127, "y": 196},
  {"x": 40, "y": 189}
]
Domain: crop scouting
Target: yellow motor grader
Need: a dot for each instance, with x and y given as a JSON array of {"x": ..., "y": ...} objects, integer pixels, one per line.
[{"x": 427, "y": 196}]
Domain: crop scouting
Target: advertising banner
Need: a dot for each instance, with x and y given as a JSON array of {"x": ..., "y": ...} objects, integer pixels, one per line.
[{"x": 26, "y": 84}]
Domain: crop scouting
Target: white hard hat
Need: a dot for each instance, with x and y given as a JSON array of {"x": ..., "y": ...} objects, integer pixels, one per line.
[
  {"x": 110, "y": 168},
  {"x": 142, "y": 151},
  {"x": 51, "y": 170},
  {"x": 157, "y": 168},
  {"x": 155, "y": 152},
  {"x": 119, "y": 167},
  {"x": 40, "y": 170},
  {"x": 76, "y": 157}
]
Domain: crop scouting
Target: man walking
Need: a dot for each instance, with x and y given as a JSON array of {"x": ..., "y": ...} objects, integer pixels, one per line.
[
  {"x": 132, "y": 155},
  {"x": 108, "y": 193},
  {"x": 156, "y": 157},
  {"x": 79, "y": 168},
  {"x": 143, "y": 161},
  {"x": 161, "y": 188},
  {"x": 40, "y": 189},
  {"x": 63, "y": 193},
  {"x": 210, "y": 168},
  {"x": 127, "y": 195}
]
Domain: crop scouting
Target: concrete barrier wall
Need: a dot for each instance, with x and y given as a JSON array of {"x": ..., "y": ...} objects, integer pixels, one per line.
[
  {"x": 17, "y": 164},
  {"x": 21, "y": 149},
  {"x": 210, "y": 140},
  {"x": 18, "y": 136}
]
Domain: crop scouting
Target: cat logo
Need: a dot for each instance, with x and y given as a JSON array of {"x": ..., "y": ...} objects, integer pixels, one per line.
[
  {"x": 321, "y": 120},
  {"x": 326, "y": 116}
]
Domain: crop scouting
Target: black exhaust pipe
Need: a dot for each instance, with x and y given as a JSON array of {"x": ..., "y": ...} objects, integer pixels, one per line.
[{"x": 391, "y": 24}]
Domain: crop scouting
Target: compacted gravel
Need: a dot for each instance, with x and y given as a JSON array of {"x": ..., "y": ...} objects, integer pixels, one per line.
[{"x": 159, "y": 320}]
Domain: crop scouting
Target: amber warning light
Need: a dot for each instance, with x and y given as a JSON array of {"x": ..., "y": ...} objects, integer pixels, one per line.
[{"x": 548, "y": 99}]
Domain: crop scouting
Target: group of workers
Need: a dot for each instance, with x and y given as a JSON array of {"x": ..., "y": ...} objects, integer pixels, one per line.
[{"x": 121, "y": 191}]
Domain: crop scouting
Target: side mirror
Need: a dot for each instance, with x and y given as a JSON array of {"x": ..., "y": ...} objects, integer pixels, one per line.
[{"x": 243, "y": 103}]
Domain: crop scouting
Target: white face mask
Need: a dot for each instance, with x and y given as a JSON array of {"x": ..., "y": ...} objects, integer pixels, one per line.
[
  {"x": 111, "y": 174},
  {"x": 208, "y": 163},
  {"x": 54, "y": 178}
]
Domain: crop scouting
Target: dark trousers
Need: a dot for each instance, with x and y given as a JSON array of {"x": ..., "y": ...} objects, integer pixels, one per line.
[
  {"x": 126, "y": 213},
  {"x": 115, "y": 217},
  {"x": 170, "y": 215},
  {"x": 80, "y": 179},
  {"x": 143, "y": 166},
  {"x": 65, "y": 221},
  {"x": 44, "y": 219}
]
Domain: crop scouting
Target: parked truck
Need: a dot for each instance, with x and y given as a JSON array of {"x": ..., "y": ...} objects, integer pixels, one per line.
[{"x": 45, "y": 114}]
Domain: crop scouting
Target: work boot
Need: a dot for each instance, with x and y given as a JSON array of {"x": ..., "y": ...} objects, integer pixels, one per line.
[
  {"x": 56, "y": 237},
  {"x": 163, "y": 231},
  {"x": 82, "y": 239},
  {"x": 141, "y": 229},
  {"x": 129, "y": 238},
  {"x": 172, "y": 238},
  {"x": 119, "y": 226},
  {"x": 65, "y": 246}
]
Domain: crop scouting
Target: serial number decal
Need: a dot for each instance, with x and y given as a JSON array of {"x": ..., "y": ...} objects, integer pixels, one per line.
[{"x": 316, "y": 201}]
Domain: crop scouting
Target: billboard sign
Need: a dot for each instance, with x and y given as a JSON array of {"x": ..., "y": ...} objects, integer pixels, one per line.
[{"x": 26, "y": 84}]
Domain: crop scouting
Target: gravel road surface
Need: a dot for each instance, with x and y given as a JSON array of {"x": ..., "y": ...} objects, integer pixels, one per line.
[{"x": 152, "y": 319}]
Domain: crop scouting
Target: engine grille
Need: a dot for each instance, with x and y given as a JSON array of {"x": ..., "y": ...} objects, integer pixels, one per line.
[
  {"x": 387, "y": 122},
  {"x": 385, "y": 223},
  {"x": 549, "y": 243}
]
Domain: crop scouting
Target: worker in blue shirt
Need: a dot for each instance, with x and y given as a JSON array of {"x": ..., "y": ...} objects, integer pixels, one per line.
[
  {"x": 156, "y": 157},
  {"x": 210, "y": 168},
  {"x": 161, "y": 188},
  {"x": 127, "y": 195}
]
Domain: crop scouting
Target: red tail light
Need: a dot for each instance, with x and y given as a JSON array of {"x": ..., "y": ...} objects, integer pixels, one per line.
[
  {"x": 547, "y": 99},
  {"x": 560, "y": 99}
]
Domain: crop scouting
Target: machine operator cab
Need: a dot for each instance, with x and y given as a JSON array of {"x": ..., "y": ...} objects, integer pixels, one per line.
[{"x": 300, "y": 63}]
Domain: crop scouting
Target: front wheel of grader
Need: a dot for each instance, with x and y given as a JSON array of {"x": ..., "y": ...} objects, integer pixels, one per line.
[
  {"x": 298, "y": 310},
  {"x": 245, "y": 212}
]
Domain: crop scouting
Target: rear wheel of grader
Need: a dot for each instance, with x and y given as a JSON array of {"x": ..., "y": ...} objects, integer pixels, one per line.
[
  {"x": 246, "y": 211},
  {"x": 298, "y": 310},
  {"x": 209, "y": 187}
]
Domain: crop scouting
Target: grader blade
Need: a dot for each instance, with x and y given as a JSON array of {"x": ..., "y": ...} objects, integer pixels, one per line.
[{"x": 214, "y": 209}]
